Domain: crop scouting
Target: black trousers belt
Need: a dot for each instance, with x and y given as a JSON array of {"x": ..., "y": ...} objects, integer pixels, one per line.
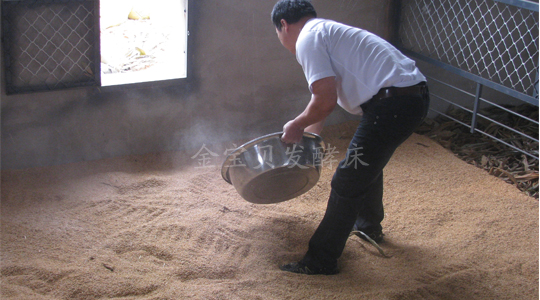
[{"x": 418, "y": 89}]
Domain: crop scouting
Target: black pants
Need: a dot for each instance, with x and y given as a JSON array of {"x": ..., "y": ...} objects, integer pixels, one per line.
[{"x": 357, "y": 185}]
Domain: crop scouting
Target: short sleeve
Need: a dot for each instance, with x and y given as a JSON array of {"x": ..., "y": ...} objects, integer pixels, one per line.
[{"x": 312, "y": 54}]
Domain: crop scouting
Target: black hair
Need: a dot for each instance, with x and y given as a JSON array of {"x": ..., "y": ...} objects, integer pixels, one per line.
[{"x": 292, "y": 11}]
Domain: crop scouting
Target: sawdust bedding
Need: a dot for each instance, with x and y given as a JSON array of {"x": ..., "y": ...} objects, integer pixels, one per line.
[{"x": 159, "y": 227}]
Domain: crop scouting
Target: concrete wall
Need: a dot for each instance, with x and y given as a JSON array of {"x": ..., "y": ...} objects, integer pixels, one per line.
[{"x": 245, "y": 84}]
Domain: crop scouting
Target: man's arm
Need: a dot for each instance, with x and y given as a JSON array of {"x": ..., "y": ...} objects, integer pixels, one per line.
[
  {"x": 322, "y": 103},
  {"x": 315, "y": 128}
]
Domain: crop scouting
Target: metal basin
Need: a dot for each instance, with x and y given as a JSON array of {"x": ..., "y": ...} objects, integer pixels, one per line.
[{"x": 267, "y": 170}]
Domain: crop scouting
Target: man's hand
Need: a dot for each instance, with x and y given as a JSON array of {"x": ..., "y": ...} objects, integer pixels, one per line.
[{"x": 292, "y": 133}]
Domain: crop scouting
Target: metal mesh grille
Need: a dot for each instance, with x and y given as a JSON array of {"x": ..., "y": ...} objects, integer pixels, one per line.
[
  {"x": 494, "y": 40},
  {"x": 48, "y": 44}
]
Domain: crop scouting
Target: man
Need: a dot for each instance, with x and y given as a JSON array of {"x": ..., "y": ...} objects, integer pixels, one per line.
[{"x": 365, "y": 75}]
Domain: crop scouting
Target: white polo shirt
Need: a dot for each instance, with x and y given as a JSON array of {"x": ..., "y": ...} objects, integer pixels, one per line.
[{"x": 362, "y": 62}]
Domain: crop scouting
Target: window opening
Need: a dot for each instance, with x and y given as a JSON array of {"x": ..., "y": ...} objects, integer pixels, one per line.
[{"x": 143, "y": 41}]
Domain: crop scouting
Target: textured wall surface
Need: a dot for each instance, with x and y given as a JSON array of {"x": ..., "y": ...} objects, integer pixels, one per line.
[{"x": 244, "y": 84}]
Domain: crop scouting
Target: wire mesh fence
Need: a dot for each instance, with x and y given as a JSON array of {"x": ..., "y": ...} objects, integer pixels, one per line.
[
  {"x": 49, "y": 45},
  {"x": 486, "y": 43},
  {"x": 493, "y": 40}
]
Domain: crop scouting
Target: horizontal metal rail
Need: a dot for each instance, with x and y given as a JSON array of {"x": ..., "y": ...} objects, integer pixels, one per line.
[
  {"x": 485, "y": 82},
  {"x": 432, "y": 79},
  {"x": 487, "y": 134},
  {"x": 482, "y": 116},
  {"x": 476, "y": 113},
  {"x": 521, "y": 4}
]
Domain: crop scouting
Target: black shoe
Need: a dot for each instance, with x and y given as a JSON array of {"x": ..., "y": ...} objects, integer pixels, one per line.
[
  {"x": 376, "y": 235},
  {"x": 300, "y": 268}
]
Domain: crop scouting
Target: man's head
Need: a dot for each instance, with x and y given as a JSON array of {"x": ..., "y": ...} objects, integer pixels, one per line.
[{"x": 291, "y": 11}]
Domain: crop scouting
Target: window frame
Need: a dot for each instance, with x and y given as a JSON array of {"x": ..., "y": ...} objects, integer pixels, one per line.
[{"x": 8, "y": 44}]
